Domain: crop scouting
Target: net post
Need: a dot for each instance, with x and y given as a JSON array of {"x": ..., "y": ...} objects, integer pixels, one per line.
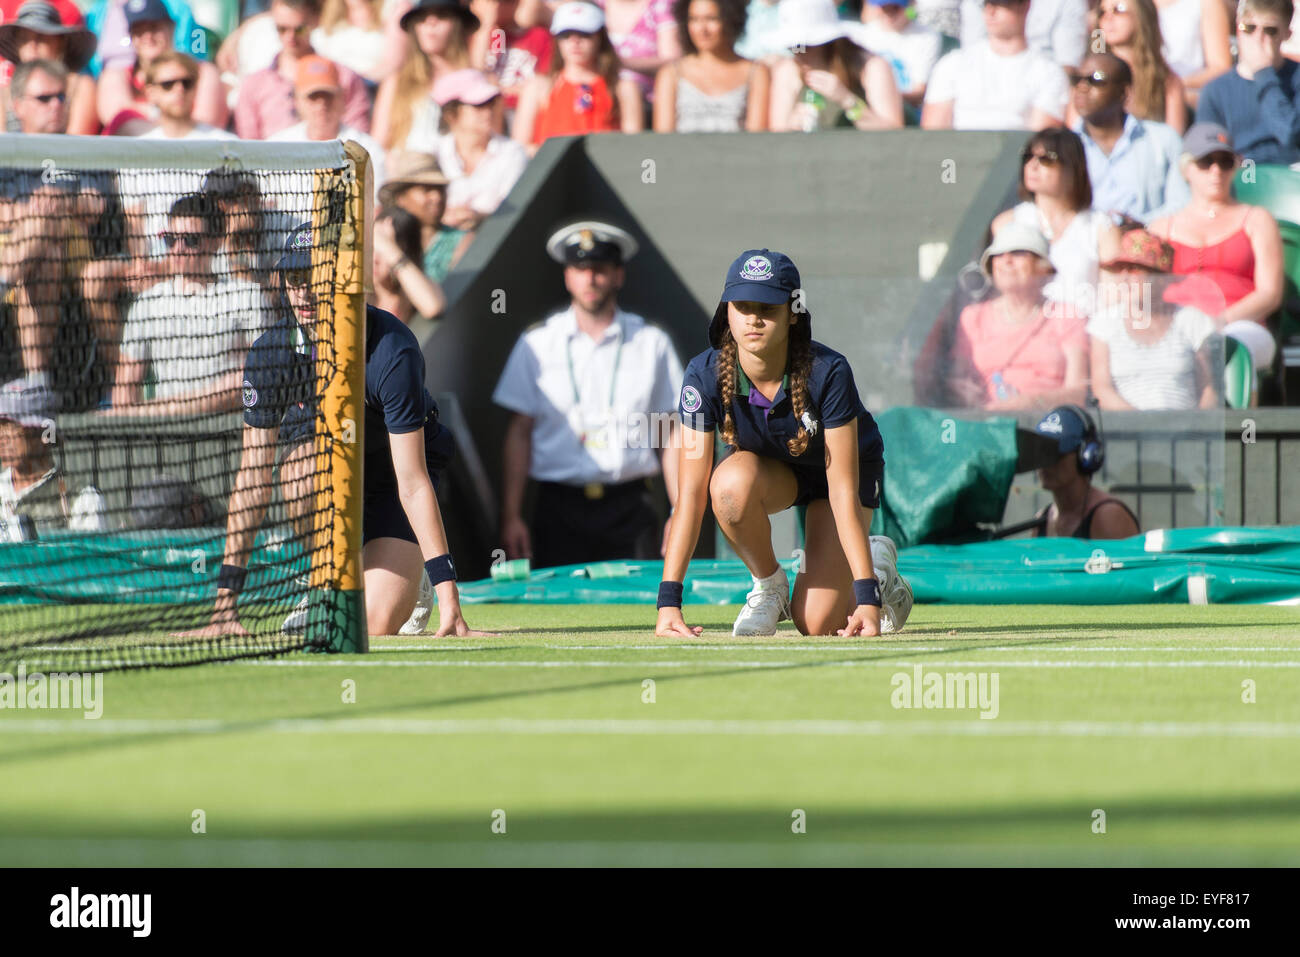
[{"x": 337, "y": 622}]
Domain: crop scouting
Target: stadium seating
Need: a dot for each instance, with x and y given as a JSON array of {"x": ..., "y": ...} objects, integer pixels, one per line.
[{"x": 1238, "y": 375}]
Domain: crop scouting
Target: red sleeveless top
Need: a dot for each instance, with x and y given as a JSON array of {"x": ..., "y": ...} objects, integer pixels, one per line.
[
  {"x": 1225, "y": 270},
  {"x": 574, "y": 109}
]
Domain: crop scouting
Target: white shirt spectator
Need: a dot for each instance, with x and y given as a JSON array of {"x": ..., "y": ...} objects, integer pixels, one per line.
[
  {"x": 493, "y": 178},
  {"x": 1075, "y": 253},
  {"x": 1058, "y": 29},
  {"x": 87, "y": 512},
  {"x": 991, "y": 92},
  {"x": 912, "y": 52},
  {"x": 1157, "y": 375},
  {"x": 192, "y": 339},
  {"x": 298, "y": 133},
  {"x": 538, "y": 381},
  {"x": 201, "y": 131}
]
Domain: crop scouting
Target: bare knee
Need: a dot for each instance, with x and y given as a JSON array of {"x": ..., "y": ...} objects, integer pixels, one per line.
[
  {"x": 385, "y": 617},
  {"x": 815, "y": 624},
  {"x": 379, "y": 624},
  {"x": 732, "y": 489}
]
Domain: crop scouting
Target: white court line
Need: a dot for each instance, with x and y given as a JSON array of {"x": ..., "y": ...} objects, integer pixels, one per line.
[
  {"x": 966, "y": 726},
  {"x": 932, "y": 665}
]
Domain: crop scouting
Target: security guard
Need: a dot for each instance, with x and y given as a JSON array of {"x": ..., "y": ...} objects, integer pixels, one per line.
[{"x": 593, "y": 390}]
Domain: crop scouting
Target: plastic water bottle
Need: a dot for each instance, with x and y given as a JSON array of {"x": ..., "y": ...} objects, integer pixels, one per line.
[{"x": 814, "y": 104}]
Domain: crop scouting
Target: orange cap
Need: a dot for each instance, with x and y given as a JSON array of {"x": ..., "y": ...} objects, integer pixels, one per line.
[{"x": 316, "y": 73}]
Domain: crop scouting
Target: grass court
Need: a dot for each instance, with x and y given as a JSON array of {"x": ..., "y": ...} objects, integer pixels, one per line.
[{"x": 545, "y": 730}]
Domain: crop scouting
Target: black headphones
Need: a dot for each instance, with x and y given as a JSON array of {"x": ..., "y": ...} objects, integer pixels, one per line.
[{"x": 1091, "y": 452}]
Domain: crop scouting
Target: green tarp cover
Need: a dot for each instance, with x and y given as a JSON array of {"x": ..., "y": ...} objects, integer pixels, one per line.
[
  {"x": 942, "y": 474},
  {"x": 1250, "y": 565},
  {"x": 149, "y": 567},
  {"x": 1223, "y": 565}
]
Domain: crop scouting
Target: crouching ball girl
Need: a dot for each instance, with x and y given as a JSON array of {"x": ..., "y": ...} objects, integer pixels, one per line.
[{"x": 789, "y": 410}]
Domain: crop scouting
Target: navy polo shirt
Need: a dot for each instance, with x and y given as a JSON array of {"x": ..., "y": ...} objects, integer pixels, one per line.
[
  {"x": 833, "y": 400},
  {"x": 280, "y": 386}
]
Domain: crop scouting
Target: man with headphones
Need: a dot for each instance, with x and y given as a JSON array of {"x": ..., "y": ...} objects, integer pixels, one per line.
[{"x": 1078, "y": 510}]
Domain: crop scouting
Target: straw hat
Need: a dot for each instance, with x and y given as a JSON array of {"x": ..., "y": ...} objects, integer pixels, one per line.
[{"x": 410, "y": 169}]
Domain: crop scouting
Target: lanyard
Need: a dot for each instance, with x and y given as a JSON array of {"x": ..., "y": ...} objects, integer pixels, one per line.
[{"x": 613, "y": 375}]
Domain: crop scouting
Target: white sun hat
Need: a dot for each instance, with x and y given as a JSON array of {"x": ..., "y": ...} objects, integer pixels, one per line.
[{"x": 810, "y": 23}]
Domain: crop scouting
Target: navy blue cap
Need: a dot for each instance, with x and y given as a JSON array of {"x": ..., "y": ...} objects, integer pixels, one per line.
[
  {"x": 297, "y": 249},
  {"x": 1069, "y": 425},
  {"x": 147, "y": 11},
  {"x": 757, "y": 275}
]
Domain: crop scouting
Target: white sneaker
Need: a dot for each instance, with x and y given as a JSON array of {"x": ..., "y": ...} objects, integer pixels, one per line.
[
  {"x": 895, "y": 592},
  {"x": 296, "y": 623},
  {"x": 767, "y": 603},
  {"x": 423, "y": 608}
]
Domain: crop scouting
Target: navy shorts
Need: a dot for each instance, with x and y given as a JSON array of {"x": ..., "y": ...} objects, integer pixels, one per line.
[
  {"x": 382, "y": 515},
  {"x": 812, "y": 483}
]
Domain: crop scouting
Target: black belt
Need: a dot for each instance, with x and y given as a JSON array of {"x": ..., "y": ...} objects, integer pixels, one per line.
[{"x": 593, "y": 491}]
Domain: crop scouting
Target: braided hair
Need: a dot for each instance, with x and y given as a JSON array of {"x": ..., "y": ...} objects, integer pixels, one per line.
[{"x": 798, "y": 364}]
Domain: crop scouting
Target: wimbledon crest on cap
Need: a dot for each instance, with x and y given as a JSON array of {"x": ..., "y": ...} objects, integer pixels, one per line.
[
  {"x": 757, "y": 267},
  {"x": 302, "y": 240},
  {"x": 135, "y": 6},
  {"x": 1051, "y": 424}
]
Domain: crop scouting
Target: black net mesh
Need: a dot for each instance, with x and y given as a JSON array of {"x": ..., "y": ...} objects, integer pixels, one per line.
[{"x": 130, "y": 303}]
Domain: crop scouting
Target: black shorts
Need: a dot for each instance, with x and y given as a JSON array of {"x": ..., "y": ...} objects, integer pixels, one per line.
[
  {"x": 812, "y": 483},
  {"x": 382, "y": 515}
]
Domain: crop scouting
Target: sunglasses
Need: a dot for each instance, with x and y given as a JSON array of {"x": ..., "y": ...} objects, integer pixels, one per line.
[
  {"x": 168, "y": 85},
  {"x": 1268, "y": 31},
  {"x": 188, "y": 240},
  {"x": 1094, "y": 79},
  {"x": 1225, "y": 161},
  {"x": 45, "y": 99},
  {"x": 1046, "y": 158},
  {"x": 297, "y": 278},
  {"x": 1114, "y": 9}
]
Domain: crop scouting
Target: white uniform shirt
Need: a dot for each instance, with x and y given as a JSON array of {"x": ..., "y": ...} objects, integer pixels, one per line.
[
  {"x": 192, "y": 339},
  {"x": 991, "y": 92},
  {"x": 596, "y": 441}
]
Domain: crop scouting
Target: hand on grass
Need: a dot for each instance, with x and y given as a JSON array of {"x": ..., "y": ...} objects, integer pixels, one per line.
[
  {"x": 224, "y": 621},
  {"x": 672, "y": 624},
  {"x": 864, "y": 622}
]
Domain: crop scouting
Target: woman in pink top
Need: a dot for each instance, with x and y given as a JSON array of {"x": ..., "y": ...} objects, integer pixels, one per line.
[
  {"x": 644, "y": 34},
  {"x": 1019, "y": 350},
  {"x": 1232, "y": 251}
]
